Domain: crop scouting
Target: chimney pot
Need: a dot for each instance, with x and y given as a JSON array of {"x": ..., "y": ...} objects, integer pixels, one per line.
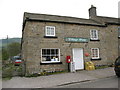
[{"x": 92, "y": 12}]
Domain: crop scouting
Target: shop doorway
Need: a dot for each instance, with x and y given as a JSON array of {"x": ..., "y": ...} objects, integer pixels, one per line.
[{"x": 78, "y": 58}]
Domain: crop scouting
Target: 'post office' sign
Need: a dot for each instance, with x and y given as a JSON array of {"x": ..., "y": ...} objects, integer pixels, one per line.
[{"x": 76, "y": 39}]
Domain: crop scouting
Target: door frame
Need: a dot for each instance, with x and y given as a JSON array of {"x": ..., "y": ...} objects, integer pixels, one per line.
[{"x": 82, "y": 56}]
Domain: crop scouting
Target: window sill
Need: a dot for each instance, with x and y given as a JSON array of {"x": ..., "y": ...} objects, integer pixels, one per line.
[
  {"x": 93, "y": 59},
  {"x": 47, "y": 63},
  {"x": 94, "y": 40},
  {"x": 50, "y": 37}
]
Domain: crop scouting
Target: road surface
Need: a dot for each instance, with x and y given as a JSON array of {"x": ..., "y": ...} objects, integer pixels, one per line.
[{"x": 111, "y": 82}]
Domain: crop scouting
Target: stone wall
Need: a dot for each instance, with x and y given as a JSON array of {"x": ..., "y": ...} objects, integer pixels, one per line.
[{"x": 34, "y": 41}]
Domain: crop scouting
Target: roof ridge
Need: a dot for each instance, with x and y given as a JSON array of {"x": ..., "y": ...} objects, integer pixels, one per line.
[
  {"x": 56, "y": 15},
  {"x": 107, "y": 17}
]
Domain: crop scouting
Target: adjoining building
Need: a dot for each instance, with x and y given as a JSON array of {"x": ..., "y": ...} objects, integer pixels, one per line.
[{"x": 48, "y": 40}]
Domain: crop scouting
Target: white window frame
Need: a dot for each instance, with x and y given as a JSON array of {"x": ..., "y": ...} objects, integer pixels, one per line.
[
  {"x": 98, "y": 54},
  {"x": 46, "y": 31},
  {"x": 50, "y": 61},
  {"x": 92, "y": 35}
]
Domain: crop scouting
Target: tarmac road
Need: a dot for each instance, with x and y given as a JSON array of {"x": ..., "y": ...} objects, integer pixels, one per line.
[
  {"x": 111, "y": 82},
  {"x": 65, "y": 79}
]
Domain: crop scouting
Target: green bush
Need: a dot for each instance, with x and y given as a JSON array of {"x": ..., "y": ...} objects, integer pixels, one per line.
[
  {"x": 9, "y": 70},
  {"x": 44, "y": 73},
  {"x": 101, "y": 66}
]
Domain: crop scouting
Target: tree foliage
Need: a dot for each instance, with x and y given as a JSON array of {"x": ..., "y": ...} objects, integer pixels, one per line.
[
  {"x": 5, "y": 55},
  {"x": 10, "y": 50}
]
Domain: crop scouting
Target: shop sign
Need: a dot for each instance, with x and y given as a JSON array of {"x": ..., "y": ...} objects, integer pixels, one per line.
[{"x": 76, "y": 39}]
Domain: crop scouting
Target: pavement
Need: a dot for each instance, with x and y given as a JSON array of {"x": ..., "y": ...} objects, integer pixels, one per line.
[{"x": 51, "y": 81}]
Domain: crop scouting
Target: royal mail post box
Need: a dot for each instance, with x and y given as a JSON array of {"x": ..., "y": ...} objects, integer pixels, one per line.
[{"x": 68, "y": 59}]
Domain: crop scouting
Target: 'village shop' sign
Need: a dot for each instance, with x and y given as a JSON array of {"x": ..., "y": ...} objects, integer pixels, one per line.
[{"x": 75, "y": 39}]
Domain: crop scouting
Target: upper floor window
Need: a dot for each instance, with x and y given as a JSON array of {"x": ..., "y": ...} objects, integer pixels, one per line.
[
  {"x": 50, "y": 31},
  {"x": 95, "y": 53},
  {"x": 94, "y": 34}
]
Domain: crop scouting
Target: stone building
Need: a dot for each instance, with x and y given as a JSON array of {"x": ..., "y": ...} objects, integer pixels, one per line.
[{"x": 48, "y": 40}]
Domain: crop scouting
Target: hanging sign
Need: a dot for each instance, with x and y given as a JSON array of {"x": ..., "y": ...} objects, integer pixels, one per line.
[{"x": 76, "y": 39}]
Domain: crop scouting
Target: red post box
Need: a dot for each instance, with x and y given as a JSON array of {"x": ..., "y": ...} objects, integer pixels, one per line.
[{"x": 68, "y": 59}]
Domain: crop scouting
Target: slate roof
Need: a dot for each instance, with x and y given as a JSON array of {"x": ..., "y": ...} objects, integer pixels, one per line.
[
  {"x": 65, "y": 19},
  {"x": 109, "y": 19}
]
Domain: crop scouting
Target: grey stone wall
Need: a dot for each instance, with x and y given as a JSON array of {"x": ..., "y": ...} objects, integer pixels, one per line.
[{"x": 34, "y": 41}]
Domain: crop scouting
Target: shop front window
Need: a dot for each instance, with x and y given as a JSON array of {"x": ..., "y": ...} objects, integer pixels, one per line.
[{"x": 50, "y": 55}]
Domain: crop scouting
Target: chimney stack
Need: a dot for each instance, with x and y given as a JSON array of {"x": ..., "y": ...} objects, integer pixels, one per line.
[{"x": 92, "y": 12}]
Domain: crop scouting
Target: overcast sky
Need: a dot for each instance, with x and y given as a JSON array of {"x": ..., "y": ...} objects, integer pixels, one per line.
[{"x": 11, "y": 11}]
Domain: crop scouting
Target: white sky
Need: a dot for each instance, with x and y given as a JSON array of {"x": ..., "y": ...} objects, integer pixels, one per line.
[{"x": 11, "y": 11}]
